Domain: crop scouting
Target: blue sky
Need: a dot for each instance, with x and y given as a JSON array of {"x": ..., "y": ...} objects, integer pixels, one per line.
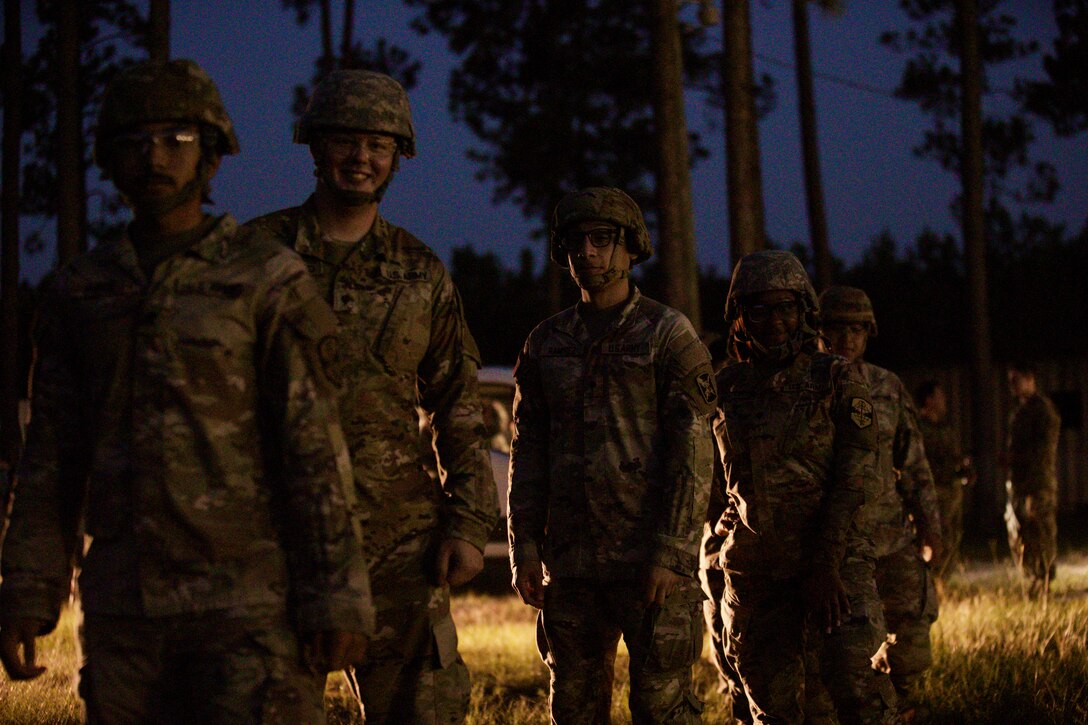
[{"x": 257, "y": 53}]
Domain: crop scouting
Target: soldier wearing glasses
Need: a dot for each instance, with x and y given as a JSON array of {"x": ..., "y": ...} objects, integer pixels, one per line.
[
  {"x": 185, "y": 419},
  {"x": 610, "y": 473},
  {"x": 404, "y": 345},
  {"x": 797, "y": 438}
]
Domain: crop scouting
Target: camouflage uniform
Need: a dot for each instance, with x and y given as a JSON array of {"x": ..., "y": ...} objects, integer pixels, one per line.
[
  {"x": 160, "y": 400},
  {"x": 1031, "y": 514},
  {"x": 404, "y": 342},
  {"x": 906, "y": 502},
  {"x": 946, "y": 463},
  {"x": 609, "y": 474},
  {"x": 185, "y": 416},
  {"x": 798, "y": 446},
  {"x": 404, "y": 345},
  {"x": 712, "y": 581},
  {"x": 903, "y": 578}
]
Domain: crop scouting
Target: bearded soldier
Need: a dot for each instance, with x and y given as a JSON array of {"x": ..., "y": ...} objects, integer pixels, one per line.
[
  {"x": 797, "y": 438},
  {"x": 609, "y": 475},
  {"x": 184, "y": 413},
  {"x": 404, "y": 345},
  {"x": 904, "y": 518}
]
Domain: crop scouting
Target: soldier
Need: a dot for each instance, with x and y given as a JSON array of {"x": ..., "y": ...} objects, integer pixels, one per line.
[
  {"x": 797, "y": 437},
  {"x": 403, "y": 343},
  {"x": 951, "y": 471},
  {"x": 184, "y": 409},
  {"x": 903, "y": 519},
  {"x": 1032, "y": 452},
  {"x": 609, "y": 475}
]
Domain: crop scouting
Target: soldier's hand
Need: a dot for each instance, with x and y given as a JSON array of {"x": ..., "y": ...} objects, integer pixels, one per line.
[
  {"x": 932, "y": 545},
  {"x": 457, "y": 562},
  {"x": 333, "y": 650},
  {"x": 529, "y": 583},
  {"x": 16, "y": 633},
  {"x": 826, "y": 598},
  {"x": 659, "y": 584}
]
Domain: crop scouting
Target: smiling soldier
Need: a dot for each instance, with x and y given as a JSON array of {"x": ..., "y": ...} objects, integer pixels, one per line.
[{"x": 404, "y": 345}]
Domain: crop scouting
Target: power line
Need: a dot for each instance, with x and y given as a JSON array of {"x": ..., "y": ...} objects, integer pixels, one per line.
[{"x": 856, "y": 85}]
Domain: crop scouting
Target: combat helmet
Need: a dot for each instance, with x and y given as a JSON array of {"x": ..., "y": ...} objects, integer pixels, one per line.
[
  {"x": 601, "y": 203},
  {"x": 178, "y": 90},
  {"x": 840, "y": 303},
  {"x": 359, "y": 100},
  {"x": 765, "y": 271}
]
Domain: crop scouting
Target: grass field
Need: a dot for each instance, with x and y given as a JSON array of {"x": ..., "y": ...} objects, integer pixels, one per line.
[{"x": 998, "y": 658}]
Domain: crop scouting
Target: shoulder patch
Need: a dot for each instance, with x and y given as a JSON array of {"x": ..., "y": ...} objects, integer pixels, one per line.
[
  {"x": 861, "y": 412},
  {"x": 707, "y": 389}
]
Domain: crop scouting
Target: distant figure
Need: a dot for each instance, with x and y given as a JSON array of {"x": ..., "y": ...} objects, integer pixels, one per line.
[
  {"x": 610, "y": 474},
  {"x": 1032, "y": 485},
  {"x": 185, "y": 418},
  {"x": 903, "y": 519},
  {"x": 951, "y": 469}
]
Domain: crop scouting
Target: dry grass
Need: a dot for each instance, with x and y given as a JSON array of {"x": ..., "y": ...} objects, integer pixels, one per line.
[{"x": 998, "y": 657}]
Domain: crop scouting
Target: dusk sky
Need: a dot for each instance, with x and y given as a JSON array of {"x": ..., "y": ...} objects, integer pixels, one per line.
[{"x": 256, "y": 53}]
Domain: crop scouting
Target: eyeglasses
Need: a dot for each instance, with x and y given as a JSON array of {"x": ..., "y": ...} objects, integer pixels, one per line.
[
  {"x": 380, "y": 148},
  {"x": 138, "y": 142},
  {"x": 787, "y": 311},
  {"x": 573, "y": 240}
]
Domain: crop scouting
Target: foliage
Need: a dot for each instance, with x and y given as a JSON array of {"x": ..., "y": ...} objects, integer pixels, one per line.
[
  {"x": 110, "y": 30},
  {"x": 558, "y": 92},
  {"x": 384, "y": 56},
  {"x": 501, "y": 306},
  {"x": 1038, "y": 300},
  {"x": 931, "y": 77},
  {"x": 1062, "y": 99}
]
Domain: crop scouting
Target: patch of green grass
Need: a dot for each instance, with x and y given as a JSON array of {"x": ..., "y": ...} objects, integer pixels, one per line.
[
  {"x": 50, "y": 699},
  {"x": 1001, "y": 657},
  {"x": 509, "y": 681},
  {"x": 998, "y": 657}
]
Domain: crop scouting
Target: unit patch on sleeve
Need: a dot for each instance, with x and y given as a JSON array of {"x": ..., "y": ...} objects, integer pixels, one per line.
[{"x": 861, "y": 412}]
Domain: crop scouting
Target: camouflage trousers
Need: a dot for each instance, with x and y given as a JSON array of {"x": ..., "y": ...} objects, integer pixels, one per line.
[
  {"x": 578, "y": 631},
  {"x": 729, "y": 684},
  {"x": 909, "y": 597},
  {"x": 214, "y": 667},
  {"x": 413, "y": 672},
  {"x": 1033, "y": 535},
  {"x": 950, "y": 504},
  {"x": 773, "y": 648}
]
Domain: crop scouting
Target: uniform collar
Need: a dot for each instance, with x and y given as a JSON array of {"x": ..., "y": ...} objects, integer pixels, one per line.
[
  {"x": 576, "y": 327},
  {"x": 212, "y": 247},
  {"x": 310, "y": 242}
]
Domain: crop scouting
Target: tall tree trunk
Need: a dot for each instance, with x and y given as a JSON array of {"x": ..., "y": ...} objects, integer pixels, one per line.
[
  {"x": 10, "y": 387},
  {"x": 676, "y": 226},
  {"x": 744, "y": 181},
  {"x": 974, "y": 244},
  {"x": 348, "y": 30},
  {"x": 71, "y": 180},
  {"x": 158, "y": 32},
  {"x": 327, "y": 62},
  {"x": 814, "y": 190}
]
